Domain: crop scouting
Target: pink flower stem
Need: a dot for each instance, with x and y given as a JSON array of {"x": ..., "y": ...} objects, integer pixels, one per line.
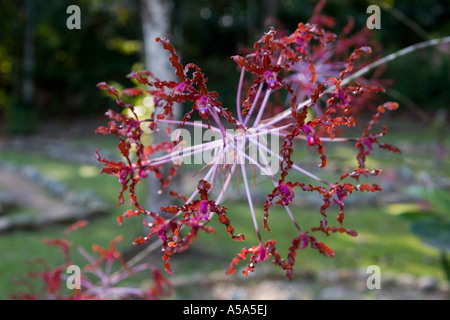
[
  {"x": 99, "y": 273},
  {"x": 262, "y": 108},
  {"x": 250, "y": 201},
  {"x": 109, "y": 263},
  {"x": 226, "y": 183},
  {"x": 255, "y": 102},
  {"x": 238, "y": 95},
  {"x": 254, "y": 162},
  {"x": 189, "y": 123},
  {"x": 193, "y": 150},
  {"x": 273, "y": 130},
  {"x": 117, "y": 278},
  {"x": 288, "y": 210},
  {"x": 309, "y": 174},
  {"x": 219, "y": 123}
]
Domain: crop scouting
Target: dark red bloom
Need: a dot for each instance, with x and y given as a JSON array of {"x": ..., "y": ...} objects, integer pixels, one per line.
[{"x": 316, "y": 77}]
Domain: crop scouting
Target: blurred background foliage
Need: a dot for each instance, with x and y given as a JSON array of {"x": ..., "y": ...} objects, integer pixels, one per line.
[{"x": 69, "y": 63}]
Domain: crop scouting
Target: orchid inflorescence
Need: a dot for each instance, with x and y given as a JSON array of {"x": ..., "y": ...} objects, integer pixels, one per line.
[{"x": 270, "y": 69}]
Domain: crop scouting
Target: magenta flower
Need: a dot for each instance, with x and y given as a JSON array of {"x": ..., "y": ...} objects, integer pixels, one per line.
[
  {"x": 204, "y": 209},
  {"x": 271, "y": 79},
  {"x": 203, "y": 106}
]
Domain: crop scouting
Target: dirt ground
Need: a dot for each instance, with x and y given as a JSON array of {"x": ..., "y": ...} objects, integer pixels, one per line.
[{"x": 326, "y": 285}]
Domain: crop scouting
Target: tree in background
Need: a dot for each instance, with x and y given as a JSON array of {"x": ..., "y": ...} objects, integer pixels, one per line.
[
  {"x": 66, "y": 62},
  {"x": 156, "y": 17}
]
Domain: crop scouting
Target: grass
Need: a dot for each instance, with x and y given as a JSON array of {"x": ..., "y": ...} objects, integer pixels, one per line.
[
  {"x": 18, "y": 247},
  {"x": 383, "y": 239}
]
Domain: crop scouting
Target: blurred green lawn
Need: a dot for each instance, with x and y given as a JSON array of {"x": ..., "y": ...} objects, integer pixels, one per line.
[{"x": 383, "y": 239}]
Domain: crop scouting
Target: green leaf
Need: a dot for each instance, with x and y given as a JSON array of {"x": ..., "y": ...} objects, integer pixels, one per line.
[
  {"x": 445, "y": 265},
  {"x": 438, "y": 199},
  {"x": 434, "y": 231},
  {"x": 414, "y": 215}
]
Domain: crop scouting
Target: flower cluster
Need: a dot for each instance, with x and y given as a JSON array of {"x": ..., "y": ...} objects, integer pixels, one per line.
[
  {"x": 194, "y": 215},
  {"x": 328, "y": 61},
  {"x": 104, "y": 282},
  {"x": 272, "y": 67}
]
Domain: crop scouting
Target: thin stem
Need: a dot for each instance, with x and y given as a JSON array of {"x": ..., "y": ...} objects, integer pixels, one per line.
[
  {"x": 106, "y": 280},
  {"x": 108, "y": 267},
  {"x": 227, "y": 182},
  {"x": 186, "y": 152},
  {"x": 138, "y": 257},
  {"x": 116, "y": 279},
  {"x": 288, "y": 210},
  {"x": 189, "y": 123},
  {"x": 238, "y": 95},
  {"x": 92, "y": 262},
  {"x": 262, "y": 108},
  {"x": 255, "y": 101},
  {"x": 213, "y": 180},
  {"x": 258, "y": 131},
  {"x": 219, "y": 123},
  {"x": 268, "y": 173},
  {"x": 393, "y": 56},
  {"x": 309, "y": 174},
  {"x": 250, "y": 201},
  {"x": 294, "y": 166}
]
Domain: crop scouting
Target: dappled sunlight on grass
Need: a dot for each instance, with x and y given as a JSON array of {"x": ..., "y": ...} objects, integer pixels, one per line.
[
  {"x": 383, "y": 237},
  {"x": 397, "y": 209},
  {"x": 88, "y": 171},
  {"x": 19, "y": 246},
  {"x": 382, "y": 240}
]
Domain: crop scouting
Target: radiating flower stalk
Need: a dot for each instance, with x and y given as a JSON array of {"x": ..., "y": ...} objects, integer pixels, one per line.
[{"x": 270, "y": 70}]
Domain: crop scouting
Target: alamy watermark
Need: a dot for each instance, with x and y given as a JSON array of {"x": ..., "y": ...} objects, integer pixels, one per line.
[
  {"x": 374, "y": 20},
  {"x": 73, "y": 282},
  {"x": 374, "y": 280},
  {"x": 74, "y": 20}
]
